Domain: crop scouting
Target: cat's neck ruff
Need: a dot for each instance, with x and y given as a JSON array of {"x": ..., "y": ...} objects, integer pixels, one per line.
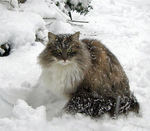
[{"x": 61, "y": 78}]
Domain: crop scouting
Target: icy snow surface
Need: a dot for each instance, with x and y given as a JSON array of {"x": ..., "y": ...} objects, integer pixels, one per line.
[{"x": 122, "y": 25}]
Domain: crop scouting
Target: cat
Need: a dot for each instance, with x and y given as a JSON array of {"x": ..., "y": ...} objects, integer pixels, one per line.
[{"x": 85, "y": 70}]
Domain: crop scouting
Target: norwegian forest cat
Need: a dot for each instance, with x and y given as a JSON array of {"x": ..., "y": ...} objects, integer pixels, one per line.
[{"x": 87, "y": 74}]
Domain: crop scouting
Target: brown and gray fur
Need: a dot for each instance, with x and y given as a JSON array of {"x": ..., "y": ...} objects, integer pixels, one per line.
[{"x": 101, "y": 71}]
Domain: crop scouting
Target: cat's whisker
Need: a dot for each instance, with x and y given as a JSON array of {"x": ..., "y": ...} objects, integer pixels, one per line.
[{"x": 64, "y": 62}]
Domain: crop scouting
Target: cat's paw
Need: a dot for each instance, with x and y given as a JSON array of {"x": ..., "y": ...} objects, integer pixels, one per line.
[{"x": 4, "y": 49}]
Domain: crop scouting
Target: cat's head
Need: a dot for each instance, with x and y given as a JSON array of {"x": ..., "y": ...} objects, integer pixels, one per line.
[{"x": 63, "y": 49}]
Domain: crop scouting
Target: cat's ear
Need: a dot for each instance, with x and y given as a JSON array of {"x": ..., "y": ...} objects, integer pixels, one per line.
[
  {"x": 75, "y": 36},
  {"x": 51, "y": 37}
]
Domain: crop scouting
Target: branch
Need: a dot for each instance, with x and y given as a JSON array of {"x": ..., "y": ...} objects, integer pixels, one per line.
[{"x": 78, "y": 21}]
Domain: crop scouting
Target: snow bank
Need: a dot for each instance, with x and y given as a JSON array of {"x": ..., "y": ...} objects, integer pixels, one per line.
[
  {"x": 25, "y": 118},
  {"x": 45, "y": 8},
  {"x": 19, "y": 27},
  {"x": 39, "y": 7}
]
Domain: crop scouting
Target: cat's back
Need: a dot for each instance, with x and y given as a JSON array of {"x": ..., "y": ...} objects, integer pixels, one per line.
[
  {"x": 105, "y": 69},
  {"x": 92, "y": 42},
  {"x": 99, "y": 52}
]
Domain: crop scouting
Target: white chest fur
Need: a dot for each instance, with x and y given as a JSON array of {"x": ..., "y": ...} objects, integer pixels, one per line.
[{"x": 61, "y": 79}]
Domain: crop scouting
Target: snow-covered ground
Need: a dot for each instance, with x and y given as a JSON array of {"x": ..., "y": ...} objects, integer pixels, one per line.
[{"x": 122, "y": 25}]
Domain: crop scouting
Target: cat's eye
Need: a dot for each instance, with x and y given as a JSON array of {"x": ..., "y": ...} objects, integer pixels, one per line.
[
  {"x": 69, "y": 50},
  {"x": 59, "y": 52},
  {"x": 56, "y": 52}
]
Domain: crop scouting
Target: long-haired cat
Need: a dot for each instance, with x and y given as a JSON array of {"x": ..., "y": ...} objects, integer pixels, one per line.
[{"x": 87, "y": 74}]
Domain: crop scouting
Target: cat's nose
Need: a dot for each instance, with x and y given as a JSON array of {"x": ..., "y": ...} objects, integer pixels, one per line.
[
  {"x": 64, "y": 59},
  {"x": 64, "y": 56}
]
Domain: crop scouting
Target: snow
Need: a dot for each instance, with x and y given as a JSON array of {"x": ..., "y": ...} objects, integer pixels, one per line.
[
  {"x": 19, "y": 27},
  {"x": 123, "y": 26},
  {"x": 39, "y": 7},
  {"x": 59, "y": 27}
]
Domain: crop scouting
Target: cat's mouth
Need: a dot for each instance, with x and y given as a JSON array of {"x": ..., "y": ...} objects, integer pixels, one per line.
[{"x": 64, "y": 63}]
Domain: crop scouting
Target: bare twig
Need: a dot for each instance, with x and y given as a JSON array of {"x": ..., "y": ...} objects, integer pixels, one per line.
[
  {"x": 52, "y": 18},
  {"x": 78, "y": 21}
]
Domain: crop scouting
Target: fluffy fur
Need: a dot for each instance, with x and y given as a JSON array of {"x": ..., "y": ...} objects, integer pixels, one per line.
[
  {"x": 62, "y": 77},
  {"x": 72, "y": 67}
]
